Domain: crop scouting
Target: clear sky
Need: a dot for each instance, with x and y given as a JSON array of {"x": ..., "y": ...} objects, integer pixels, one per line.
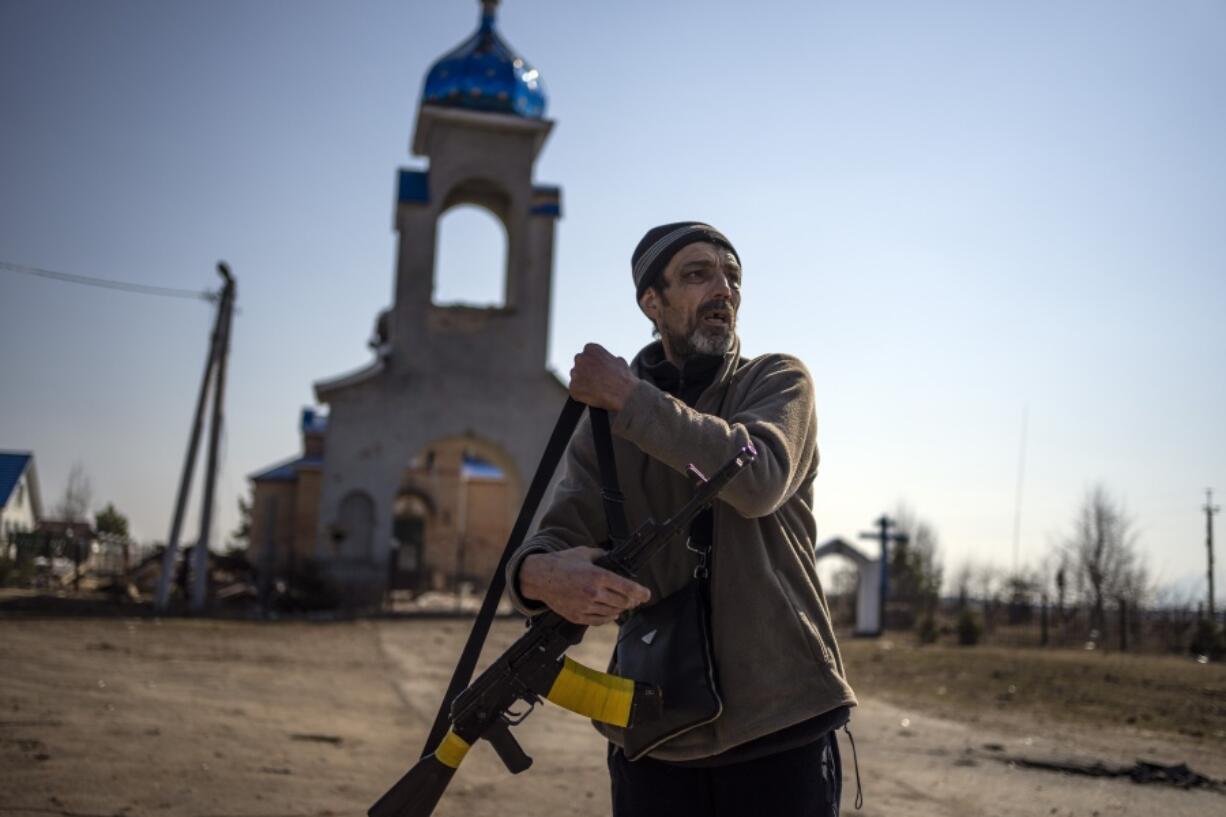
[{"x": 952, "y": 211}]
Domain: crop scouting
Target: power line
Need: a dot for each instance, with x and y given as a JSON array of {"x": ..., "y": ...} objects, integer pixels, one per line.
[{"x": 106, "y": 283}]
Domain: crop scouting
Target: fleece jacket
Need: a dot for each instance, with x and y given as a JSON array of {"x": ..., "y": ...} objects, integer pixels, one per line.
[{"x": 776, "y": 656}]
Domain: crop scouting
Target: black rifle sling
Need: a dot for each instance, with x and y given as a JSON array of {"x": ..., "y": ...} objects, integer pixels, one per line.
[
  {"x": 610, "y": 488},
  {"x": 562, "y": 432}
]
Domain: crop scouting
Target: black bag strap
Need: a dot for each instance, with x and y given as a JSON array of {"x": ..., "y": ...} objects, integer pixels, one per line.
[
  {"x": 610, "y": 488},
  {"x": 562, "y": 432}
]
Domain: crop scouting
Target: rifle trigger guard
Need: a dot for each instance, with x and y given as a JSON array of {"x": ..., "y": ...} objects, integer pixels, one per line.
[{"x": 516, "y": 718}]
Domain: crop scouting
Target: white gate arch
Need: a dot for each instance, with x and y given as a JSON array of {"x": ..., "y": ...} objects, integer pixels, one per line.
[{"x": 868, "y": 589}]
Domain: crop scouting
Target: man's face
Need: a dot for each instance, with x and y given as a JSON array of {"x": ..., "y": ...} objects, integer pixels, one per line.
[{"x": 696, "y": 311}]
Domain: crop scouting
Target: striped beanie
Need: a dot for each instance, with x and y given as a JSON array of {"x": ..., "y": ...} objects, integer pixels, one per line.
[{"x": 661, "y": 243}]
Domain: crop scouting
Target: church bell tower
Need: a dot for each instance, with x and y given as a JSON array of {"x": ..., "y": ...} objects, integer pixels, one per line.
[
  {"x": 448, "y": 377},
  {"x": 481, "y": 126}
]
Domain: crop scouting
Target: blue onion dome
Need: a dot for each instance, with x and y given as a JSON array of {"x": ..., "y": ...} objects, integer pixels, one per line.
[{"x": 483, "y": 73}]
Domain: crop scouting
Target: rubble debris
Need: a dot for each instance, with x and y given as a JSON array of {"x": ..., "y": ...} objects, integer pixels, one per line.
[
  {"x": 335, "y": 740},
  {"x": 1143, "y": 771}
]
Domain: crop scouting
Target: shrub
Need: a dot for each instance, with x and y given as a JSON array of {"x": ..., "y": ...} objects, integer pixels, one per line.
[
  {"x": 1208, "y": 639},
  {"x": 16, "y": 573},
  {"x": 969, "y": 629},
  {"x": 927, "y": 630}
]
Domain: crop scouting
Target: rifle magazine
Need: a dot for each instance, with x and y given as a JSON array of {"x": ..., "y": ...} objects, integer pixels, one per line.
[{"x": 593, "y": 694}]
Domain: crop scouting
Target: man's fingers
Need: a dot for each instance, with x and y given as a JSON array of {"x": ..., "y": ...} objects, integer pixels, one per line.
[
  {"x": 578, "y": 590},
  {"x": 622, "y": 596},
  {"x": 592, "y": 614},
  {"x": 601, "y": 613},
  {"x": 583, "y": 553},
  {"x": 597, "y": 619},
  {"x": 612, "y": 601},
  {"x": 598, "y": 608},
  {"x": 632, "y": 591}
]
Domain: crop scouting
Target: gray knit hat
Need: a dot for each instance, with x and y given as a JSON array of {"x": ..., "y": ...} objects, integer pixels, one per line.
[{"x": 661, "y": 243}]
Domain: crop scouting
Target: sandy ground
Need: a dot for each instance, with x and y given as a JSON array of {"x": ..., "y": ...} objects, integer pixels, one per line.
[{"x": 125, "y": 717}]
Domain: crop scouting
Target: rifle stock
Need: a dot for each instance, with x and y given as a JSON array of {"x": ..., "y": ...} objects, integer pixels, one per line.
[{"x": 418, "y": 792}]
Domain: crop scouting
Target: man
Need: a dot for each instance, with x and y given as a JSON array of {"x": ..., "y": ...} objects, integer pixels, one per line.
[{"x": 690, "y": 398}]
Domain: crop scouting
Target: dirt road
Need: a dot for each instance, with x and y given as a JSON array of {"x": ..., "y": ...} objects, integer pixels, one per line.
[{"x": 105, "y": 717}]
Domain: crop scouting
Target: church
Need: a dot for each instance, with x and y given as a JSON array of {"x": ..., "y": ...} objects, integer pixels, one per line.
[{"x": 414, "y": 477}]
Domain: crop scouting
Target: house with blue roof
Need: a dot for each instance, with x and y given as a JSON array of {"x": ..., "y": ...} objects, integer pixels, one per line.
[
  {"x": 20, "y": 501},
  {"x": 285, "y": 502}
]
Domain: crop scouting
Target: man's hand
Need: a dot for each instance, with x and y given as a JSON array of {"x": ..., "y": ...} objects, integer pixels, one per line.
[
  {"x": 576, "y": 589},
  {"x": 601, "y": 380}
]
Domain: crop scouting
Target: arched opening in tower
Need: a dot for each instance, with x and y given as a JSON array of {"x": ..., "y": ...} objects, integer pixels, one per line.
[{"x": 470, "y": 259}]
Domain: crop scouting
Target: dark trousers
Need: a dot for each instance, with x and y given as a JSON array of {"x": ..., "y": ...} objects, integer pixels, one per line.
[{"x": 803, "y": 782}]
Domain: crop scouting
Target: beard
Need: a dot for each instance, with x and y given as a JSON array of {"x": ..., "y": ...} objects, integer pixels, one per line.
[
  {"x": 695, "y": 338},
  {"x": 702, "y": 341}
]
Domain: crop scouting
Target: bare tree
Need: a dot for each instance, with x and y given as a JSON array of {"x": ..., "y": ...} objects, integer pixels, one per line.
[
  {"x": 962, "y": 583},
  {"x": 78, "y": 495},
  {"x": 1021, "y": 589},
  {"x": 240, "y": 537},
  {"x": 916, "y": 571},
  {"x": 1103, "y": 555},
  {"x": 1055, "y": 576},
  {"x": 988, "y": 584}
]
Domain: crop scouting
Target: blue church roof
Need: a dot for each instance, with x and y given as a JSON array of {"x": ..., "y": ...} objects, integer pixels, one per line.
[
  {"x": 12, "y": 466},
  {"x": 286, "y": 471},
  {"x": 473, "y": 467},
  {"x": 483, "y": 73}
]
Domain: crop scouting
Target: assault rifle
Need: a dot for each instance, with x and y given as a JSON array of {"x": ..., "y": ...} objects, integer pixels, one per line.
[{"x": 536, "y": 667}]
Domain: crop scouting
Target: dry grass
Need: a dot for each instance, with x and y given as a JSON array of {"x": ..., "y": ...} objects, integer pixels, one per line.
[{"x": 1163, "y": 694}]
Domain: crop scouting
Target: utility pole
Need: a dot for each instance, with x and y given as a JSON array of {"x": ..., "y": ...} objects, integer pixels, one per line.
[
  {"x": 219, "y": 339},
  {"x": 1017, "y": 498},
  {"x": 200, "y": 570},
  {"x": 883, "y": 535},
  {"x": 1210, "y": 509}
]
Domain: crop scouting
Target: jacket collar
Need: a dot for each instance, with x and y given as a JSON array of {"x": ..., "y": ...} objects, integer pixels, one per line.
[{"x": 651, "y": 365}]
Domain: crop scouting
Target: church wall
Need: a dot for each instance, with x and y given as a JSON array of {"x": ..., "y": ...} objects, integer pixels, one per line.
[
  {"x": 374, "y": 434},
  {"x": 272, "y": 504},
  {"x": 306, "y": 512},
  {"x": 488, "y": 526},
  {"x": 472, "y": 515}
]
